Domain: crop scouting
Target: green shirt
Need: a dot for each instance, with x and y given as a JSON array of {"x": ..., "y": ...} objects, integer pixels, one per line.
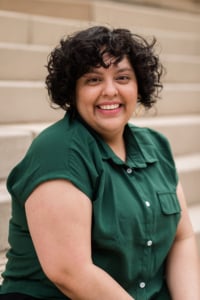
[{"x": 135, "y": 208}]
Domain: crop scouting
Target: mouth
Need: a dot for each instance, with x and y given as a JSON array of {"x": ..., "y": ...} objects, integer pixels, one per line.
[{"x": 109, "y": 106}]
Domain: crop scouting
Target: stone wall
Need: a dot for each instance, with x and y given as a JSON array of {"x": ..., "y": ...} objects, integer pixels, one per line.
[
  {"x": 181, "y": 5},
  {"x": 82, "y": 9}
]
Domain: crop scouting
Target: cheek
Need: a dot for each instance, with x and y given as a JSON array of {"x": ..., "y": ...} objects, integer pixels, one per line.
[
  {"x": 80, "y": 98},
  {"x": 132, "y": 95},
  {"x": 84, "y": 95},
  {"x": 84, "y": 104},
  {"x": 135, "y": 89}
]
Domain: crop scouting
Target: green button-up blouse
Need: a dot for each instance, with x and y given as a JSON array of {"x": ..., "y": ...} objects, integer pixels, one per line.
[{"x": 135, "y": 207}]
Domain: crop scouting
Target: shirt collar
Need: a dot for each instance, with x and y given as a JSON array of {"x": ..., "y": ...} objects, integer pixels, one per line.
[{"x": 139, "y": 147}]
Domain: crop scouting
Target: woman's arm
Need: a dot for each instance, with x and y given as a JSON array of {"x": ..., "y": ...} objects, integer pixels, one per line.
[
  {"x": 59, "y": 218},
  {"x": 183, "y": 266}
]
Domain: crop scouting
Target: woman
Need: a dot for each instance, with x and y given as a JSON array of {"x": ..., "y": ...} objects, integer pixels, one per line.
[{"x": 98, "y": 211}]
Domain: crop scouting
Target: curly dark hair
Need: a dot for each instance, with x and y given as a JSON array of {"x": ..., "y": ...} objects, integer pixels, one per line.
[{"x": 78, "y": 53}]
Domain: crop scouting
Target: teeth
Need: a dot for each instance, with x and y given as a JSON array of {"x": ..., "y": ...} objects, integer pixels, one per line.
[{"x": 109, "y": 106}]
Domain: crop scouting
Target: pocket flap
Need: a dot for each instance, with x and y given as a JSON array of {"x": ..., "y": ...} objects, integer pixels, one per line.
[{"x": 169, "y": 203}]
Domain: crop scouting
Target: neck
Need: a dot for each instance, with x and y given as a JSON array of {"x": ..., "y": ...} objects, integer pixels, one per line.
[{"x": 118, "y": 147}]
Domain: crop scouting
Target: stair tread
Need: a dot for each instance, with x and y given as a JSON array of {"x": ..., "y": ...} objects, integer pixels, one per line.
[
  {"x": 182, "y": 86},
  {"x": 194, "y": 212},
  {"x": 18, "y": 129},
  {"x": 3, "y": 260},
  {"x": 4, "y": 195},
  {"x": 141, "y": 121},
  {"x": 167, "y": 120},
  {"x": 188, "y": 162},
  {"x": 189, "y": 58},
  {"x": 167, "y": 86},
  {"x": 22, "y": 83},
  {"x": 24, "y": 46}
]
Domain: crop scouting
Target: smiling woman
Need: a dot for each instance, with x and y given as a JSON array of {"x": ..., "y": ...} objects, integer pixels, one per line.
[
  {"x": 97, "y": 207},
  {"x": 101, "y": 47},
  {"x": 106, "y": 98}
]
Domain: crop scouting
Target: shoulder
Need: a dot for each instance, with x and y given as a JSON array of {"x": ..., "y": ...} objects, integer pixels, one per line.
[
  {"x": 145, "y": 135},
  {"x": 61, "y": 151},
  {"x": 152, "y": 142},
  {"x": 64, "y": 144},
  {"x": 62, "y": 135}
]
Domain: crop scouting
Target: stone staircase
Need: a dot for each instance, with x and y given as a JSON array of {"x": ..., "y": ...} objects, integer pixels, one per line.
[{"x": 27, "y": 38}]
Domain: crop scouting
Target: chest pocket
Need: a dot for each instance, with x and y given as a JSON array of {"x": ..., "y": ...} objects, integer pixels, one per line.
[
  {"x": 169, "y": 203},
  {"x": 168, "y": 219}
]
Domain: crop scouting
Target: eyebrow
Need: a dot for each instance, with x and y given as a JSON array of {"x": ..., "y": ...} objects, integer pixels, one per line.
[
  {"x": 120, "y": 70},
  {"x": 125, "y": 70}
]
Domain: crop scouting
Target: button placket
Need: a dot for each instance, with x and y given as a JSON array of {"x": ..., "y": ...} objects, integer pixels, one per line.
[{"x": 147, "y": 244}]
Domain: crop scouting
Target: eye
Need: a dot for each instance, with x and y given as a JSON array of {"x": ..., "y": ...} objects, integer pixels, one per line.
[
  {"x": 123, "y": 78},
  {"x": 93, "y": 80}
]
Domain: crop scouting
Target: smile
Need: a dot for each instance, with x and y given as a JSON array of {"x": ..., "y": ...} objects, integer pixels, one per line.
[{"x": 109, "y": 106}]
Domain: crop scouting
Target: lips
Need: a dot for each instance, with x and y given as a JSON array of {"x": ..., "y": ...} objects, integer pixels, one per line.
[{"x": 109, "y": 106}]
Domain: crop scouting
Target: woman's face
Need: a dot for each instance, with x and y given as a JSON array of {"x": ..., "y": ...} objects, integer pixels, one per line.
[{"x": 106, "y": 98}]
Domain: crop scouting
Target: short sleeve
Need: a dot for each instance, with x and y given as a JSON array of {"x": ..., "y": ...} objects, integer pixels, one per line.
[{"x": 55, "y": 156}]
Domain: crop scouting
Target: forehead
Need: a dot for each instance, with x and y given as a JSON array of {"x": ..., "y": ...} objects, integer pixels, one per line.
[{"x": 112, "y": 63}]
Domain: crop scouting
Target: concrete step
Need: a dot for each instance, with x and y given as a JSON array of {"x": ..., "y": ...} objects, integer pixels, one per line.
[
  {"x": 20, "y": 100},
  {"x": 23, "y": 101},
  {"x": 179, "y": 98},
  {"x": 121, "y": 14},
  {"x": 188, "y": 167},
  {"x": 108, "y": 12},
  {"x": 33, "y": 29},
  {"x": 177, "y": 42},
  {"x": 2, "y": 263},
  {"x": 23, "y": 62},
  {"x": 176, "y": 66},
  {"x": 184, "y": 128},
  {"x": 76, "y": 9},
  {"x": 5, "y": 213},
  {"x": 27, "y": 62},
  {"x": 194, "y": 212},
  {"x": 172, "y": 42},
  {"x": 184, "y": 5},
  {"x": 13, "y": 145}
]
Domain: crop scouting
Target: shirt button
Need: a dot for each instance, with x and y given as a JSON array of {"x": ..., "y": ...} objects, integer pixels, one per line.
[
  {"x": 149, "y": 243},
  {"x": 147, "y": 203},
  {"x": 129, "y": 170},
  {"x": 142, "y": 285}
]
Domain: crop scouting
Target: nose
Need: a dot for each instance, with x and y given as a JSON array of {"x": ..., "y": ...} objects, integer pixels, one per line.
[{"x": 109, "y": 89}]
